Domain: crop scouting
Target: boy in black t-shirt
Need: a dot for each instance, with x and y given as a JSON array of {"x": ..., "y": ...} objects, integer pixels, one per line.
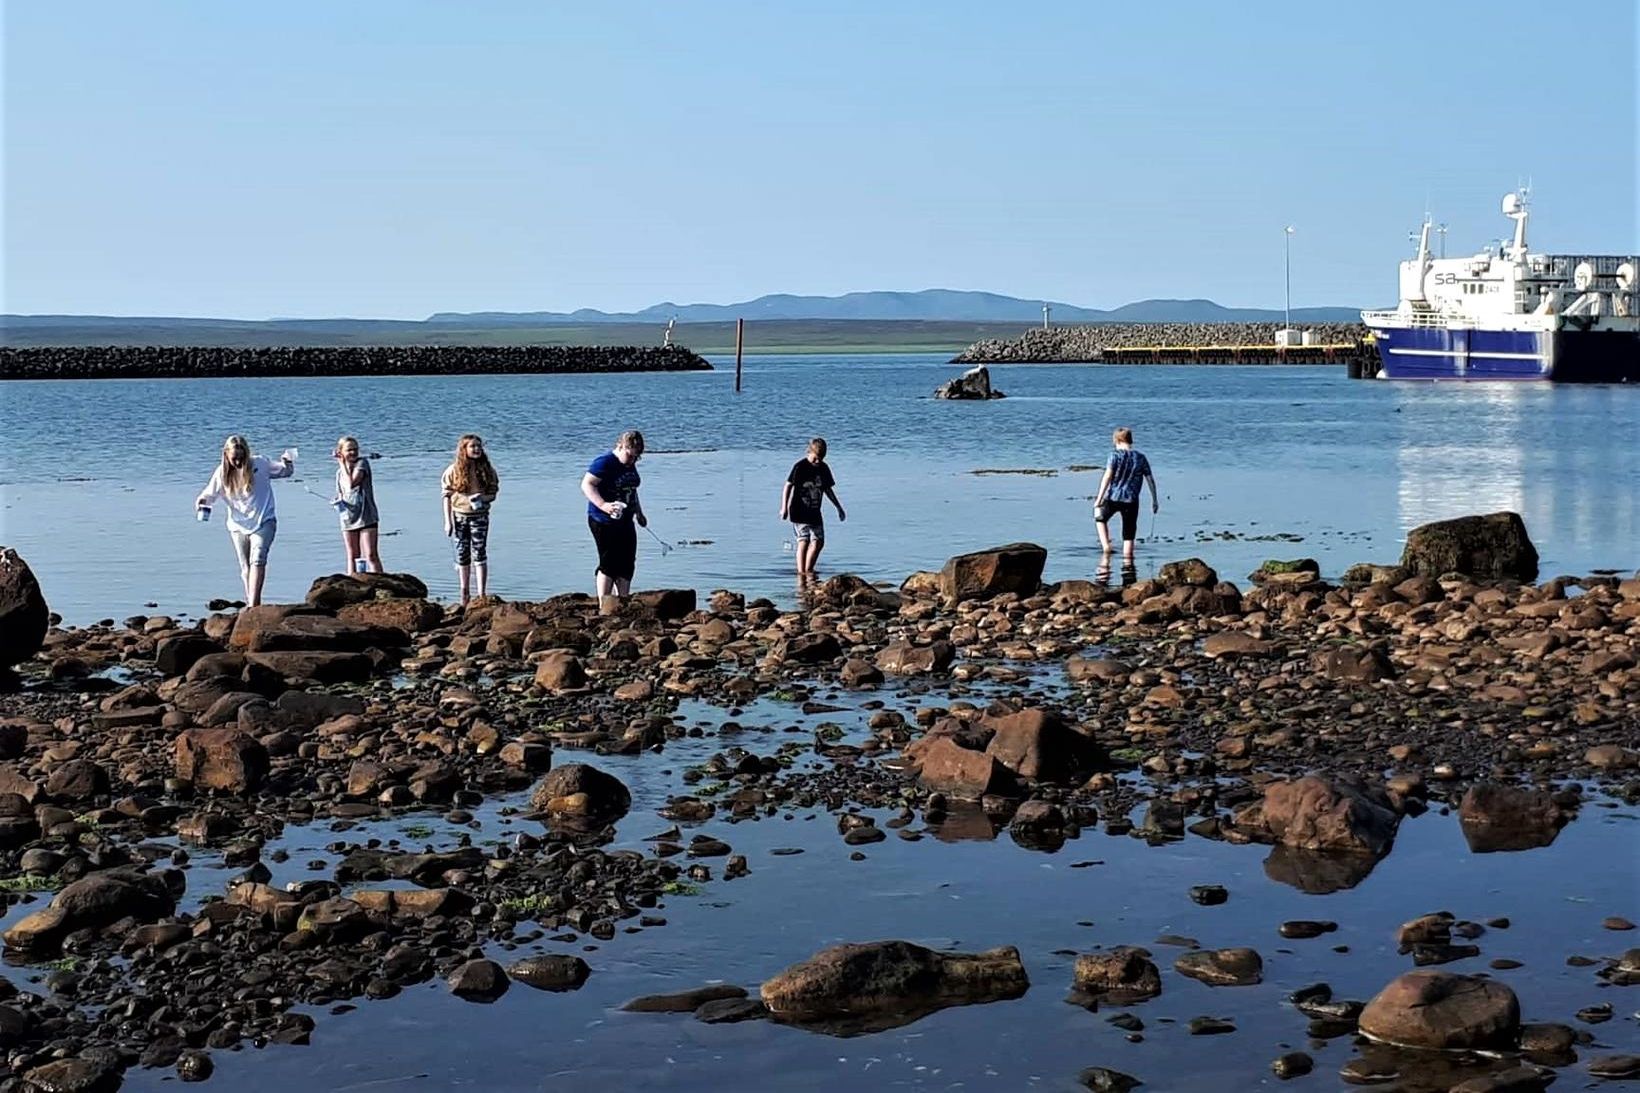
[{"x": 809, "y": 483}]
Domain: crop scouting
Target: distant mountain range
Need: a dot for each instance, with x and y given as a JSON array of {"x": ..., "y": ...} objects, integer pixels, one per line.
[
  {"x": 929, "y": 305},
  {"x": 937, "y": 319}
]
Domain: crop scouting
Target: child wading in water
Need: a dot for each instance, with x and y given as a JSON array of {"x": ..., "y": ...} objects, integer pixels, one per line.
[
  {"x": 809, "y": 483},
  {"x": 1125, "y": 472},
  {"x": 470, "y": 485},
  {"x": 614, "y": 513},
  {"x": 244, "y": 483},
  {"x": 356, "y": 498}
]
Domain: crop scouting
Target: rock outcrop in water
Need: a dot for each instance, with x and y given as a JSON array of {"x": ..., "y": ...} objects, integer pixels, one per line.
[
  {"x": 1443, "y": 1011},
  {"x": 974, "y": 384},
  {"x": 155, "y": 362},
  {"x": 885, "y": 984},
  {"x": 1493, "y": 547}
]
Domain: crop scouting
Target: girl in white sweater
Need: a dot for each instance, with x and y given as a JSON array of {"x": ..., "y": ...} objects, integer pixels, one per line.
[{"x": 244, "y": 483}]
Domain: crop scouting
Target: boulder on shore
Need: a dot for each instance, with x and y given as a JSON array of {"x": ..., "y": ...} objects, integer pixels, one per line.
[
  {"x": 24, "y": 616},
  {"x": 222, "y": 759},
  {"x": 1494, "y": 547},
  {"x": 338, "y": 590},
  {"x": 1037, "y": 744},
  {"x": 1315, "y": 813},
  {"x": 1443, "y": 1011},
  {"x": 576, "y": 792},
  {"x": 1499, "y": 817},
  {"x": 973, "y": 384},
  {"x": 982, "y": 574},
  {"x": 885, "y": 984},
  {"x": 1120, "y": 976}
]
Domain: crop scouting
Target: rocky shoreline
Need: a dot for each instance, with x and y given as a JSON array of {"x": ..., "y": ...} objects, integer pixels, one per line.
[
  {"x": 1310, "y": 715},
  {"x": 155, "y": 362},
  {"x": 1079, "y": 344}
]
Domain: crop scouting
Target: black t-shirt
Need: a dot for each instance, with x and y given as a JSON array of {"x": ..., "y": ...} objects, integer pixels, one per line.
[{"x": 810, "y": 481}]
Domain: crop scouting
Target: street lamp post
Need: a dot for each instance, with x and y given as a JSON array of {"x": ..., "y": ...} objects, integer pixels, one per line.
[{"x": 1287, "y": 250}]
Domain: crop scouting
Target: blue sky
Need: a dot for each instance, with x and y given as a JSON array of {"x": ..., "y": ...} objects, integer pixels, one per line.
[{"x": 395, "y": 159}]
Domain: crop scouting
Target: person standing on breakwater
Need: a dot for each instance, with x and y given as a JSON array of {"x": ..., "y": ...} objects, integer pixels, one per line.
[
  {"x": 1125, "y": 472},
  {"x": 809, "y": 483},
  {"x": 614, "y": 513},
  {"x": 355, "y": 503},
  {"x": 470, "y": 485},
  {"x": 244, "y": 482}
]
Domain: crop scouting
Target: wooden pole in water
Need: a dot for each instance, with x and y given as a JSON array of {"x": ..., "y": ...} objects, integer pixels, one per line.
[{"x": 740, "y": 338}]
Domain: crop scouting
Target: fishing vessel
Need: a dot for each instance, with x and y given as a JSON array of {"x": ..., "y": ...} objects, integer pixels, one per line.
[{"x": 1509, "y": 314}]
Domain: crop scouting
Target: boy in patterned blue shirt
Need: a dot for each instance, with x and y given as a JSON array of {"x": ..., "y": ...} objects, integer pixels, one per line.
[{"x": 1125, "y": 473}]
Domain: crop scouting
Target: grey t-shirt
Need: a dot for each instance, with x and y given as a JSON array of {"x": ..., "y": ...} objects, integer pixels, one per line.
[{"x": 361, "y": 499}]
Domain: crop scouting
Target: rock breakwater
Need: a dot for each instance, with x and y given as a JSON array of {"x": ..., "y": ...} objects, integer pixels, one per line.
[
  {"x": 172, "y": 362},
  {"x": 1101, "y": 341}
]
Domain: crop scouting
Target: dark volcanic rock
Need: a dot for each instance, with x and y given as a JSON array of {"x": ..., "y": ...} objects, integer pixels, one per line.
[
  {"x": 174, "y": 655},
  {"x": 1121, "y": 976},
  {"x": 945, "y": 766},
  {"x": 576, "y": 791},
  {"x": 224, "y": 759},
  {"x": 337, "y": 590},
  {"x": 1496, "y": 817},
  {"x": 1015, "y": 568},
  {"x": 1315, "y": 813},
  {"x": 479, "y": 981},
  {"x": 551, "y": 972},
  {"x": 1037, "y": 744},
  {"x": 1222, "y": 967},
  {"x": 71, "y": 1076},
  {"x": 684, "y": 1001},
  {"x": 973, "y": 384},
  {"x": 1441, "y": 1010},
  {"x": 885, "y": 984},
  {"x": 1354, "y": 664},
  {"x": 24, "y": 616},
  {"x": 1495, "y": 546}
]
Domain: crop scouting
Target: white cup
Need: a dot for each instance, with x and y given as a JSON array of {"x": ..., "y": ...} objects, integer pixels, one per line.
[{"x": 617, "y": 509}]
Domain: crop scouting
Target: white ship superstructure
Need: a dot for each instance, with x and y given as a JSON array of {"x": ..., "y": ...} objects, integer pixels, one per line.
[{"x": 1508, "y": 314}]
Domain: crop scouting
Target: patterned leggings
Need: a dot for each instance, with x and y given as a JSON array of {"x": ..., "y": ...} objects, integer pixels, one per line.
[{"x": 472, "y": 538}]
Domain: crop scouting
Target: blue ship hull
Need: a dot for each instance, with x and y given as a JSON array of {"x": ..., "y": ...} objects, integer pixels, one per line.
[{"x": 1563, "y": 356}]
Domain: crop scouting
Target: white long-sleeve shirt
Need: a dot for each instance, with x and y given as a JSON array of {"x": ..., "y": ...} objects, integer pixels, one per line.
[{"x": 248, "y": 511}]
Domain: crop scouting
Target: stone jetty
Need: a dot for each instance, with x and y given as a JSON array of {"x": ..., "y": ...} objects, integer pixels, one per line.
[
  {"x": 1314, "y": 717},
  {"x": 181, "y": 362},
  {"x": 1103, "y": 341}
]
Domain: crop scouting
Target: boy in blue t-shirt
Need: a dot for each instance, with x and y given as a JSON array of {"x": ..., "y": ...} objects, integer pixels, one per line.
[{"x": 1125, "y": 473}]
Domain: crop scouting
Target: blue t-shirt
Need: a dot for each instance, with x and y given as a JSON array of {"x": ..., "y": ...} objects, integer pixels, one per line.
[
  {"x": 617, "y": 481},
  {"x": 1128, "y": 470}
]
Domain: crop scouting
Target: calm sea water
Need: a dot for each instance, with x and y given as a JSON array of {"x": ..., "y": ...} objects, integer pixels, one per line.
[
  {"x": 964, "y": 887},
  {"x": 97, "y": 479}
]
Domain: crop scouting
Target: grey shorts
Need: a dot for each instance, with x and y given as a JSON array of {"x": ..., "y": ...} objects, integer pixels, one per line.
[
  {"x": 252, "y": 547},
  {"x": 810, "y": 533}
]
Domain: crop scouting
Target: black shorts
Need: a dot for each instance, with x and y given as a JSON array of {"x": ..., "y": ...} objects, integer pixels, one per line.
[
  {"x": 1130, "y": 516},
  {"x": 617, "y": 547}
]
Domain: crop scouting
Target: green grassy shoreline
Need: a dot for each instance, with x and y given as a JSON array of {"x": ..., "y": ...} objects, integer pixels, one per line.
[{"x": 770, "y": 336}]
